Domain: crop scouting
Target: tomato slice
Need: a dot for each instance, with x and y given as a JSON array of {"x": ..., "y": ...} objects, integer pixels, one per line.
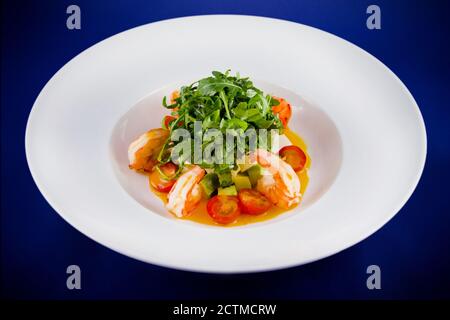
[
  {"x": 294, "y": 156},
  {"x": 166, "y": 121},
  {"x": 159, "y": 182},
  {"x": 253, "y": 202},
  {"x": 283, "y": 110},
  {"x": 223, "y": 209}
]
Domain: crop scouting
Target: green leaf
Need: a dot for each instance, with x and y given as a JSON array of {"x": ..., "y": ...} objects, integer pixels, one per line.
[
  {"x": 233, "y": 123},
  {"x": 217, "y": 74},
  {"x": 210, "y": 86},
  {"x": 212, "y": 120},
  {"x": 274, "y": 102},
  {"x": 221, "y": 101}
]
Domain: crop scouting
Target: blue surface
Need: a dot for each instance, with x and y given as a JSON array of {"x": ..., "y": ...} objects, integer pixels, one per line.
[{"x": 37, "y": 245}]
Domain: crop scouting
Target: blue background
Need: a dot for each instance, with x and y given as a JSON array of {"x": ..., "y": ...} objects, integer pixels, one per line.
[{"x": 37, "y": 245}]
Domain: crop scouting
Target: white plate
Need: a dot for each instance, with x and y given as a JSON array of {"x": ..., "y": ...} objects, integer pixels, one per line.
[{"x": 365, "y": 133}]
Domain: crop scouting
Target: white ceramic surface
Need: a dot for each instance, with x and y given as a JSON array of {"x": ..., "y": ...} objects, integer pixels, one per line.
[{"x": 364, "y": 130}]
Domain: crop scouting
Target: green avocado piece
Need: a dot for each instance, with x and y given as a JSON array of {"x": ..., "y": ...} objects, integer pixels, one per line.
[
  {"x": 225, "y": 179},
  {"x": 254, "y": 173},
  {"x": 245, "y": 166},
  {"x": 210, "y": 183},
  {"x": 242, "y": 182},
  {"x": 228, "y": 191}
]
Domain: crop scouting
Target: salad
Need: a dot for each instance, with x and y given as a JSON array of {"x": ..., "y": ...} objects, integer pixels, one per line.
[{"x": 225, "y": 154}]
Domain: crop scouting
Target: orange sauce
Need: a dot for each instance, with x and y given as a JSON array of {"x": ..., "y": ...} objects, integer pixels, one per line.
[{"x": 201, "y": 215}]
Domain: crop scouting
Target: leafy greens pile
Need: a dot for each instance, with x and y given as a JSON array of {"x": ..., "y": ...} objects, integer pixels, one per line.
[{"x": 222, "y": 102}]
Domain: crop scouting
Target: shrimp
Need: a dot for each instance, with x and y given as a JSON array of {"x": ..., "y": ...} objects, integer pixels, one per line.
[
  {"x": 280, "y": 184},
  {"x": 186, "y": 193},
  {"x": 143, "y": 151}
]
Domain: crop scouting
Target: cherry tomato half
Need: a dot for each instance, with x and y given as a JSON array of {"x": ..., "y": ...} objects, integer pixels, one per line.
[
  {"x": 253, "y": 202},
  {"x": 159, "y": 182},
  {"x": 223, "y": 209},
  {"x": 294, "y": 156},
  {"x": 283, "y": 110},
  {"x": 167, "y": 120}
]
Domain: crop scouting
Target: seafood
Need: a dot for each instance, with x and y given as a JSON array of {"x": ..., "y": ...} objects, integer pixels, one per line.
[
  {"x": 279, "y": 183},
  {"x": 186, "y": 192},
  {"x": 143, "y": 151},
  {"x": 255, "y": 185}
]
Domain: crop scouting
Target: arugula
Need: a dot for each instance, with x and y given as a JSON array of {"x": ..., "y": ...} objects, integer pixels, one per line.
[{"x": 222, "y": 102}]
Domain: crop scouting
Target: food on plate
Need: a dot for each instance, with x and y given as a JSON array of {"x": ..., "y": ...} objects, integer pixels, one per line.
[
  {"x": 223, "y": 209},
  {"x": 143, "y": 151},
  {"x": 161, "y": 178},
  {"x": 253, "y": 202},
  {"x": 225, "y": 154},
  {"x": 294, "y": 156},
  {"x": 186, "y": 192},
  {"x": 283, "y": 110},
  {"x": 280, "y": 185}
]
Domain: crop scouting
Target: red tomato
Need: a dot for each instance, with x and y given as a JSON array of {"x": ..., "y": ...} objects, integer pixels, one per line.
[
  {"x": 294, "y": 156},
  {"x": 223, "y": 209},
  {"x": 167, "y": 120},
  {"x": 283, "y": 110},
  {"x": 253, "y": 202},
  {"x": 159, "y": 182}
]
